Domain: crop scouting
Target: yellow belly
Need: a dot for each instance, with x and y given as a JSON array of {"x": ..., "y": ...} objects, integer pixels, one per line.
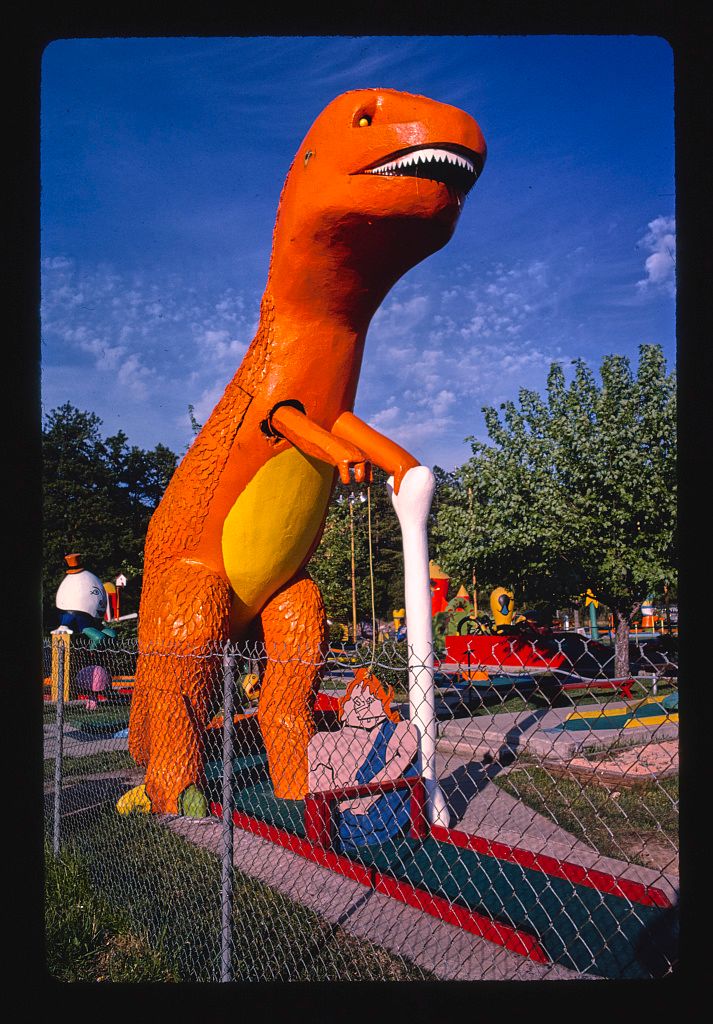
[{"x": 271, "y": 527}]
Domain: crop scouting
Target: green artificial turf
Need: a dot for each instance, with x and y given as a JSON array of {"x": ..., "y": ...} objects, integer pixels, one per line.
[{"x": 579, "y": 927}]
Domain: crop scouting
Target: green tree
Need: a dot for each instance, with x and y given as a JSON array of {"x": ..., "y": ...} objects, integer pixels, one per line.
[
  {"x": 577, "y": 489},
  {"x": 98, "y": 496},
  {"x": 331, "y": 563}
]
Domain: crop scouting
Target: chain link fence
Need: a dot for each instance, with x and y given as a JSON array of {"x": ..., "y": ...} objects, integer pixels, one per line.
[{"x": 261, "y": 816}]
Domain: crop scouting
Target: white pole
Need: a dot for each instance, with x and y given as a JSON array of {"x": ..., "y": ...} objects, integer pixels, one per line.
[{"x": 412, "y": 505}]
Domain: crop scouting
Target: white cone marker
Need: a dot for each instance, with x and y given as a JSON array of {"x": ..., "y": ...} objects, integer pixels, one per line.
[{"x": 412, "y": 505}]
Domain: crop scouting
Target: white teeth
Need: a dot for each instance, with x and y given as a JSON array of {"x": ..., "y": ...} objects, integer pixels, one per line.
[{"x": 423, "y": 156}]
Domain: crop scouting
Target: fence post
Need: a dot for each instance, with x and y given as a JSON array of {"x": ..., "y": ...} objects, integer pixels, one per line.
[
  {"x": 227, "y": 826},
  {"x": 59, "y": 749}
]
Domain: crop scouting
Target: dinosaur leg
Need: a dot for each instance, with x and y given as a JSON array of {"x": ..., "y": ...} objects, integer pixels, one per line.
[
  {"x": 294, "y": 626},
  {"x": 185, "y": 619}
]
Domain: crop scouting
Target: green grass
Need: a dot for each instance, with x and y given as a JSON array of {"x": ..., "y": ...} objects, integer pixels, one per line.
[
  {"x": 88, "y": 938},
  {"x": 92, "y": 764},
  {"x": 592, "y": 814},
  {"x": 169, "y": 890},
  {"x": 110, "y": 718}
]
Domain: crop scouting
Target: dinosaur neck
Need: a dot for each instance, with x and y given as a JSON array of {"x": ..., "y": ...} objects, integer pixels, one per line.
[
  {"x": 338, "y": 266},
  {"x": 325, "y": 289},
  {"x": 328, "y": 275},
  {"x": 314, "y": 349}
]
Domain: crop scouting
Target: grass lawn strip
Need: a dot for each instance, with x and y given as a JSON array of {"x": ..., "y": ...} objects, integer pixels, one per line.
[
  {"x": 590, "y": 812},
  {"x": 170, "y": 892},
  {"x": 89, "y": 938}
]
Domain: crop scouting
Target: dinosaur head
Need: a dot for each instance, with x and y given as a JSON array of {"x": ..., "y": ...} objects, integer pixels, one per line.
[{"x": 377, "y": 185}]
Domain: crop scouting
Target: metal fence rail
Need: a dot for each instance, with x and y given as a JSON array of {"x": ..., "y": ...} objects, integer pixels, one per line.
[{"x": 299, "y": 828}]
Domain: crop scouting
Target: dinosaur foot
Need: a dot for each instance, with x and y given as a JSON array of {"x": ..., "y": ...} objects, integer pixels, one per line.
[
  {"x": 136, "y": 801},
  {"x": 192, "y": 803}
]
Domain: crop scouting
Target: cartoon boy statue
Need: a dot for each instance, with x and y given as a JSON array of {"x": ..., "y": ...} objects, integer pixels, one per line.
[{"x": 373, "y": 745}]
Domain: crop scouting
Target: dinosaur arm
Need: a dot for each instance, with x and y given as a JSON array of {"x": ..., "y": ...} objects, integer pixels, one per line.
[
  {"x": 313, "y": 440},
  {"x": 379, "y": 449}
]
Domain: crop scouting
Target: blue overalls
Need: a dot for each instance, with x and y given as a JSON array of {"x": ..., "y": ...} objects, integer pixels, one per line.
[{"x": 389, "y": 814}]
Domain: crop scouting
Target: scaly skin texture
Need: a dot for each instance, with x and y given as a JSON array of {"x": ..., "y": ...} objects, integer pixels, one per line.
[{"x": 227, "y": 547}]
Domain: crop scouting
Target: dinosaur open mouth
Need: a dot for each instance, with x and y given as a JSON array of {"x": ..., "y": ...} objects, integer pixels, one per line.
[{"x": 448, "y": 163}]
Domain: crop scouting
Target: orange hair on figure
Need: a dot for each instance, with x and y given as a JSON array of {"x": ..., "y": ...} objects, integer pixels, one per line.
[{"x": 365, "y": 677}]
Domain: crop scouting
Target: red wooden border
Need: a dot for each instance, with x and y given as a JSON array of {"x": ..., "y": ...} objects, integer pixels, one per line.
[
  {"x": 436, "y": 906},
  {"x": 366, "y": 788},
  {"x": 419, "y": 822},
  {"x": 636, "y": 892},
  {"x": 320, "y": 806},
  {"x": 621, "y": 685},
  {"x": 469, "y": 920},
  {"x": 327, "y": 858},
  {"x": 318, "y": 819}
]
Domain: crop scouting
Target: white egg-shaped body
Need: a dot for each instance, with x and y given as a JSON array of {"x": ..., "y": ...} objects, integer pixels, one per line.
[{"x": 82, "y": 592}]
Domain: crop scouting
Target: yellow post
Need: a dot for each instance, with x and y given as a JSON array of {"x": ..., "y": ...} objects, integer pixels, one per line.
[{"x": 57, "y": 639}]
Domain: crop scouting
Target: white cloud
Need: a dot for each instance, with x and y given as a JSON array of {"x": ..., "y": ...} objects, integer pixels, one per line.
[
  {"x": 395, "y": 318},
  {"x": 106, "y": 357},
  {"x": 660, "y": 265},
  {"x": 134, "y": 377},
  {"x": 472, "y": 344},
  {"x": 56, "y": 262},
  {"x": 150, "y": 334},
  {"x": 219, "y": 345},
  {"x": 385, "y": 417},
  {"x": 208, "y": 401}
]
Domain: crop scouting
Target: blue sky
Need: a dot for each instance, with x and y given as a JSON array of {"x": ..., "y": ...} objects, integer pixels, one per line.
[{"x": 162, "y": 161}]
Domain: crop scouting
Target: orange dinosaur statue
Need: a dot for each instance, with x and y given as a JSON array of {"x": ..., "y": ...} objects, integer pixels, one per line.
[{"x": 376, "y": 186}]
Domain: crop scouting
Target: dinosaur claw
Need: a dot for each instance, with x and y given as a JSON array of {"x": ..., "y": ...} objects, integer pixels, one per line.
[
  {"x": 192, "y": 803},
  {"x": 136, "y": 801}
]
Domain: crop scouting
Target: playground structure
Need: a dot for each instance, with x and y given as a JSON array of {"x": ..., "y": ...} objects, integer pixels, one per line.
[
  {"x": 85, "y": 606},
  {"x": 82, "y": 603},
  {"x": 113, "y": 593},
  {"x": 520, "y": 650}
]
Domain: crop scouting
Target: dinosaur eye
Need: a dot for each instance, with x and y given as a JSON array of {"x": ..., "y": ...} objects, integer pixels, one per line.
[{"x": 364, "y": 121}]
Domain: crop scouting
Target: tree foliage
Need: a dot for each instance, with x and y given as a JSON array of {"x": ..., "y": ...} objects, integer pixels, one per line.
[
  {"x": 576, "y": 489},
  {"x": 331, "y": 563},
  {"x": 99, "y": 494}
]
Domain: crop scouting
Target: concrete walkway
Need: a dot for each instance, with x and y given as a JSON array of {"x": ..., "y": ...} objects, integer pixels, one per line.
[
  {"x": 536, "y": 732},
  {"x": 76, "y": 743},
  {"x": 445, "y": 950}
]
